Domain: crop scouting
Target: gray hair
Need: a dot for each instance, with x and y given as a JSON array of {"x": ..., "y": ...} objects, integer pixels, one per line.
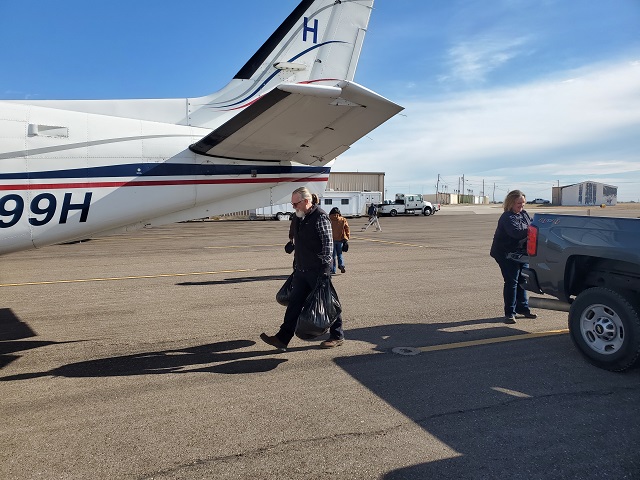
[{"x": 304, "y": 193}]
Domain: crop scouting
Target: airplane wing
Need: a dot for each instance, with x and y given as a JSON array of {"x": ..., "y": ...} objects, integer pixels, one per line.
[{"x": 301, "y": 123}]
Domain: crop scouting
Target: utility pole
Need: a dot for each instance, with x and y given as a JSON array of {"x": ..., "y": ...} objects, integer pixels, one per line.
[
  {"x": 463, "y": 187},
  {"x": 437, "y": 188}
]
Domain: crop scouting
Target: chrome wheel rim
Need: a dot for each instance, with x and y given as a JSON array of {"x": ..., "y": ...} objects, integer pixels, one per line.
[{"x": 602, "y": 329}]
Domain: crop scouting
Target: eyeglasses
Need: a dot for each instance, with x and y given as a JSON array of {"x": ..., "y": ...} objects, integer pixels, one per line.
[{"x": 295, "y": 204}]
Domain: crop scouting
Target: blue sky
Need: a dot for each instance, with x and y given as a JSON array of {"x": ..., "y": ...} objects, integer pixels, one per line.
[{"x": 509, "y": 93}]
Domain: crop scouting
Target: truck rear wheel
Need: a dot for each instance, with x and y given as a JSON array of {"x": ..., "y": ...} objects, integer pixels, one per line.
[
  {"x": 605, "y": 326},
  {"x": 393, "y": 213}
]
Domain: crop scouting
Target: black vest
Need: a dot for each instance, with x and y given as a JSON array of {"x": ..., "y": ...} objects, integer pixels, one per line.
[{"x": 307, "y": 241}]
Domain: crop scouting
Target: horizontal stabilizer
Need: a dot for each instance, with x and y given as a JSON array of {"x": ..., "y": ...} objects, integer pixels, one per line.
[{"x": 301, "y": 123}]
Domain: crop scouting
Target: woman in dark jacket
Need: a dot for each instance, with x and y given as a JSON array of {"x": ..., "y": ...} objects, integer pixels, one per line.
[{"x": 511, "y": 237}]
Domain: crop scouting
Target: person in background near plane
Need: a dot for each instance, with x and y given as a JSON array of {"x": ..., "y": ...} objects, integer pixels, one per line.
[
  {"x": 313, "y": 242},
  {"x": 340, "y": 229},
  {"x": 511, "y": 237},
  {"x": 373, "y": 218}
]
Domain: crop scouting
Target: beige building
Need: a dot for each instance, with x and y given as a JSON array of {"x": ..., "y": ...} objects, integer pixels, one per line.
[
  {"x": 457, "y": 199},
  {"x": 356, "y": 182}
]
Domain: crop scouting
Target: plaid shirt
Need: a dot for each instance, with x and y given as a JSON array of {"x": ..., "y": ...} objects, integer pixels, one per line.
[{"x": 326, "y": 237}]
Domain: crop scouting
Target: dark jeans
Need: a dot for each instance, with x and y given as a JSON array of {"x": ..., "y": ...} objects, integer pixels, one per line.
[
  {"x": 302, "y": 285},
  {"x": 515, "y": 297}
]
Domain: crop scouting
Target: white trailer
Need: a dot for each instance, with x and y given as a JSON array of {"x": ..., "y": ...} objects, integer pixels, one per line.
[
  {"x": 282, "y": 211},
  {"x": 350, "y": 204}
]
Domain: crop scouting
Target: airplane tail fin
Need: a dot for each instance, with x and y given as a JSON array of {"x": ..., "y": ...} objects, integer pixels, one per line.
[{"x": 319, "y": 41}]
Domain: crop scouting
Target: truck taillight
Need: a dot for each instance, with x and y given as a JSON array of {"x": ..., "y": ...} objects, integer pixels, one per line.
[{"x": 532, "y": 240}]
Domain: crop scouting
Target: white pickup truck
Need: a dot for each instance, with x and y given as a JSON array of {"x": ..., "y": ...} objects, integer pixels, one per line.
[{"x": 411, "y": 203}]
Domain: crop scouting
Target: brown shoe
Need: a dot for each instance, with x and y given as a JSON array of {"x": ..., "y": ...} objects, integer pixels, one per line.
[
  {"x": 332, "y": 343},
  {"x": 273, "y": 341},
  {"x": 342, "y": 269}
]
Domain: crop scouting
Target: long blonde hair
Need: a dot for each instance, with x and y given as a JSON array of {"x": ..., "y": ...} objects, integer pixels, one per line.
[{"x": 511, "y": 198}]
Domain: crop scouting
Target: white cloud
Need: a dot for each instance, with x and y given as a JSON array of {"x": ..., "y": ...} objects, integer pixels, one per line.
[
  {"x": 555, "y": 128},
  {"x": 471, "y": 61}
]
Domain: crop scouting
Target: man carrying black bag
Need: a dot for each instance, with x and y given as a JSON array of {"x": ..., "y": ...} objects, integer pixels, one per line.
[{"x": 313, "y": 257}]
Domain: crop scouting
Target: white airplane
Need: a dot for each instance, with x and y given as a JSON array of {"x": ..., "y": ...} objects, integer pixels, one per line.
[{"x": 78, "y": 169}]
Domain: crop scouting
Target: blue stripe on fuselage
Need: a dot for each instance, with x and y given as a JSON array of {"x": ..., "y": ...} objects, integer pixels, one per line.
[{"x": 164, "y": 170}]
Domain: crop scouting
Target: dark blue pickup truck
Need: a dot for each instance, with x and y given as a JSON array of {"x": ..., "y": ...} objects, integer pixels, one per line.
[{"x": 591, "y": 266}]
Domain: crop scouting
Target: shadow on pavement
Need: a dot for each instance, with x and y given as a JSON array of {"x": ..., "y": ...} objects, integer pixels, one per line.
[
  {"x": 265, "y": 278},
  {"x": 528, "y": 409},
  {"x": 547, "y": 414},
  {"x": 12, "y": 333},
  {"x": 172, "y": 361}
]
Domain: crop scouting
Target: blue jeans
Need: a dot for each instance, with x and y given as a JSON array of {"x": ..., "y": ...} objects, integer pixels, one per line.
[
  {"x": 515, "y": 297},
  {"x": 337, "y": 253}
]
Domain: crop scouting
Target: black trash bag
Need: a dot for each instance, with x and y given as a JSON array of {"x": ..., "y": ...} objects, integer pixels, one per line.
[
  {"x": 283, "y": 295},
  {"x": 345, "y": 246},
  {"x": 320, "y": 310}
]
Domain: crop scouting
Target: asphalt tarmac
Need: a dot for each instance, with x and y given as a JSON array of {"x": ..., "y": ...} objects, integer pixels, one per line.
[{"x": 138, "y": 357}]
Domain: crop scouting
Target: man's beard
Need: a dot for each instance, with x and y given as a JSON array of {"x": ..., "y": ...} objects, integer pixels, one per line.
[{"x": 299, "y": 214}]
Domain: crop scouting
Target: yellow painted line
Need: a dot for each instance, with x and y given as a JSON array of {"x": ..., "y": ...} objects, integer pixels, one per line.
[
  {"x": 123, "y": 237},
  {"x": 513, "y": 393},
  {"x": 487, "y": 341},
  {"x": 132, "y": 277},
  {"x": 354, "y": 238}
]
